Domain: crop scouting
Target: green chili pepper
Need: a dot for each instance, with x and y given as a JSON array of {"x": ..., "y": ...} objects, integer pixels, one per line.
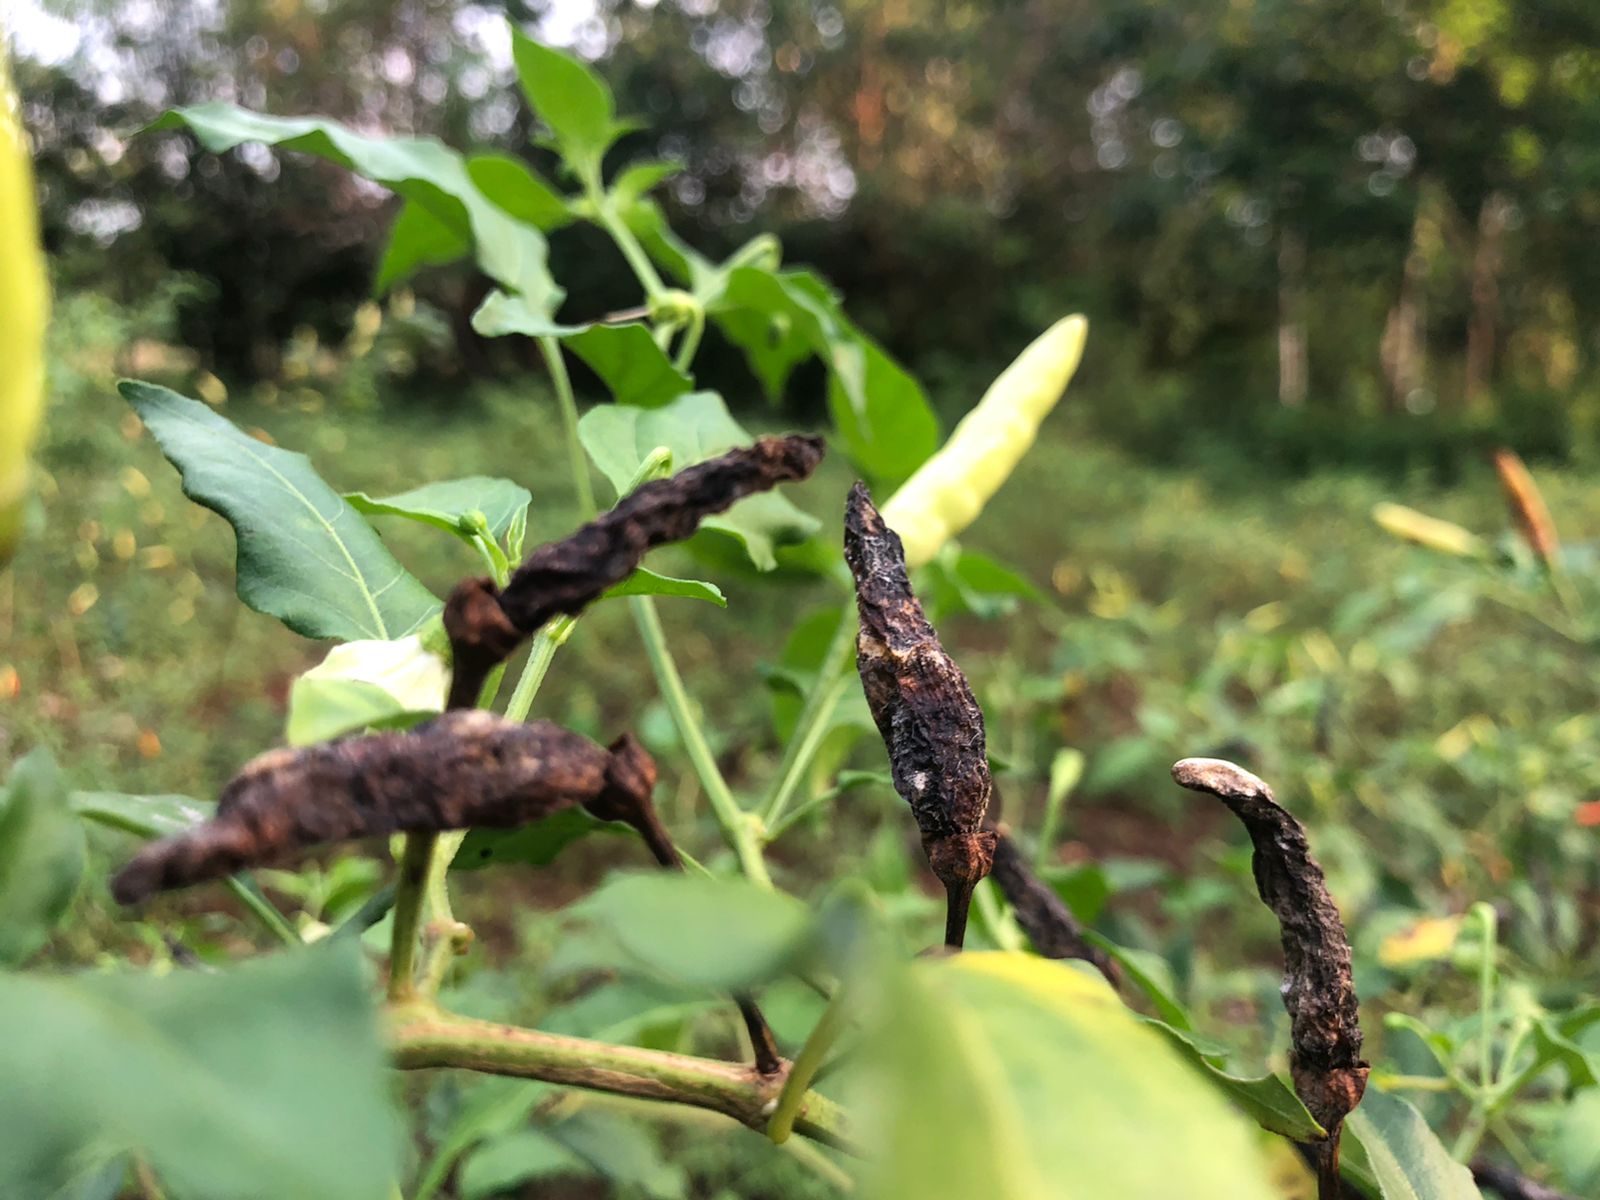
[{"x": 949, "y": 490}]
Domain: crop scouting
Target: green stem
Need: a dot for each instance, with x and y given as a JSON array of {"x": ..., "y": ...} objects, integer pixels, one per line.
[
  {"x": 415, "y": 864},
  {"x": 444, "y": 937},
  {"x": 827, "y": 689},
  {"x": 691, "y": 341},
  {"x": 1486, "y": 918},
  {"x": 542, "y": 649},
  {"x": 249, "y": 894},
  {"x": 739, "y": 828},
  {"x": 550, "y": 348},
  {"x": 812, "y": 1055},
  {"x": 423, "y": 1037}
]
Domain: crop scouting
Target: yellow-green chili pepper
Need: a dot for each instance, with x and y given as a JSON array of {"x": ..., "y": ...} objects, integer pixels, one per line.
[
  {"x": 949, "y": 490},
  {"x": 24, "y": 308}
]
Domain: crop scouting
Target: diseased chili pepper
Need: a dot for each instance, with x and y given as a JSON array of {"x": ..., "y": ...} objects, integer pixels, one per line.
[
  {"x": 1528, "y": 508},
  {"x": 461, "y": 770},
  {"x": 924, "y": 709},
  {"x": 1318, "y": 990},
  {"x": 25, "y": 303},
  {"x": 948, "y": 491},
  {"x": 1048, "y": 922},
  {"x": 485, "y": 624}
]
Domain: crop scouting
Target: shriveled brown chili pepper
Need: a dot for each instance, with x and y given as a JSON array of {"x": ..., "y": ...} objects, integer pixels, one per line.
[
  {"x": 485, "y": 625},
  {"x": 924, "y": 709},
  {"x": 461, "y": 770},
  {"x": 1048, "y": 922},
  {"x": 1318, "y": 990}
]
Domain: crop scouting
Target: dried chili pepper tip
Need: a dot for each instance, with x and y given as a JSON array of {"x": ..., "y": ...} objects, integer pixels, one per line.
[{"x": 1219, "y": 777}]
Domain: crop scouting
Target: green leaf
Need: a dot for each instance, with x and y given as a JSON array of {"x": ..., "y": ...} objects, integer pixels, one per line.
[
  {"x": 644, "y": 582},
  {"x": 517, "y": 188},
  {"x": 623, "y": 1151},
  {"x": 446, "y": 504},
  {"x": 493, "y": 1107},
  {"x": 693, "y": 427},
  {"x": 501, "y": 314},
  {"x": 305, "y": 555},
  {"x": 963, "y": 581},
  {"x": 568, "y": 97},
  {"x": 143, "y": 816},
  {"x": 724, "y": 934},
  {"x": 266, "y": 1079},
  {"x": 634, "y": 369},
  {"x": 424, "y": 170},
  {"x": 364, "y": 685},
  {"x": 639, "y": 178},
  {"x": 507, "y": 1161},
  {"x": 1012, "y": 1077},
  {"x": 1388, "y": 1148},
  {"x": 534, "y": 845},
  {"x": 41, "y": 856},
  {"x": 1265, "y": 1099},
  {"x": 880, "y": 411},
  {"x": 418, "y": 239}
]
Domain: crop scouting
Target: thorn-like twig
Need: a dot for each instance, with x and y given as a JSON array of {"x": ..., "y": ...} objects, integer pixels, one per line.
[
  {"x": 925, "y": 711},
  {"x": 1318, "y": 990},
  {"x": 1048, "y": 922},
  {"x": 1509, "y": 1185}
]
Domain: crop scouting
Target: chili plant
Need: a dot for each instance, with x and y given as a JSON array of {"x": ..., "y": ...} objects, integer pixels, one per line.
[{"x": 951, "y": 1075}]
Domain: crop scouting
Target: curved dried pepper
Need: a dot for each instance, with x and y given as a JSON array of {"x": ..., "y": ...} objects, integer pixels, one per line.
[
  {"x": 1318, "y": 990},
  {"x": 924, "y": 709},
  {"x": 486, "y": 625},
  {"x": 463, "y": 769}
]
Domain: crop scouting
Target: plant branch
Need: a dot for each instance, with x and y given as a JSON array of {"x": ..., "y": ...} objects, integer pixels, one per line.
[
  {"x": 827, "y": 689},
  {"x": 249, "y": 894},
  {"x": 424, "y": 1037},
  {"x": 550, "y": 349},
  {"x": 812, "y": 1055},
  {"x": 416, "y": 861},
  {"x": 739, "y": 828}
]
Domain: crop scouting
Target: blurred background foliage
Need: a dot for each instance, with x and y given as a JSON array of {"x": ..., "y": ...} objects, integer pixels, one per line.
[
  {"x": 1348, "y": 232},
  {"x": 1332, "y": 253}
]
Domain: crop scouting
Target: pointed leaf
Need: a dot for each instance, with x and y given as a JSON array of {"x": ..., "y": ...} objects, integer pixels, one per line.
[
  {"x": 447, "y": 503},
  {"x": 639, "y": 178},
  {"x": 517, "y": 188},
  {"x": 1389, "y": 1148},
  {"x": 267, "y": 1079},
  {"x": 41, "y": 856},
  {"x": 143, "y": 816},
  {"x": 424, "y": 170},
  {"x": 696, "y": 930},
  {"x": 1013, "y": 1077},
  {"x": 534, "y": 845},
  {"x": 630, "y": 364},
  {"x": 645, "y": 582},
  {"x": 305, "y": 555},
  {"x": 418, "y": 239},
  {"x": 693, "y": 427},
  {"x": 568, "y": 97}
]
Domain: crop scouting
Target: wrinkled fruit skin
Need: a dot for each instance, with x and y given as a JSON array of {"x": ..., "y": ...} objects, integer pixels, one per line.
[
  {"x": 24, "y": 311},
  {"x": 924, "y": 709}
]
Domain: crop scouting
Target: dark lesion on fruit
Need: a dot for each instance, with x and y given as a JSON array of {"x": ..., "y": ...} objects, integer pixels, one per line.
[
  {"x": 461, "y": 770},
  {"x": 1319, "y": 992},
  {"x": 924, "y": 709},
  {"x": 1042, "y": 914}
]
